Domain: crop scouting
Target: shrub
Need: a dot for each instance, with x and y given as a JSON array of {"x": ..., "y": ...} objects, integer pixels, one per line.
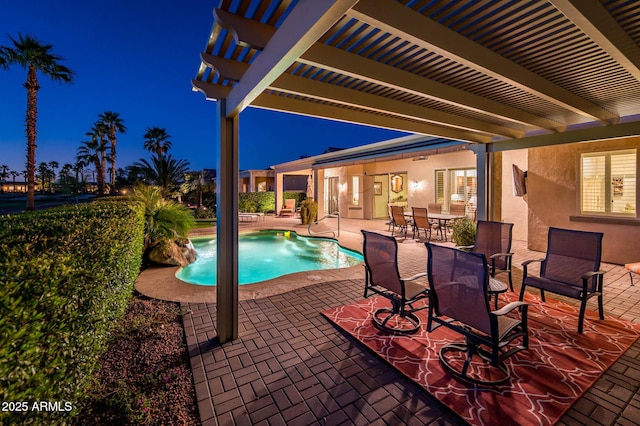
[
  {"x": 463, "y": 232},
  {"x": 67, "y": 275},
  {"x": 256, "y": 202},
  {"x": 299, "y": 196},
  {"x": 308, "y": 211},
  {"x": 204, "y": 213}
]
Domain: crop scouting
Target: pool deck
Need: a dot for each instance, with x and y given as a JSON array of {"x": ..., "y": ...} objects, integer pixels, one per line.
[{"x": 291, "y": 366}]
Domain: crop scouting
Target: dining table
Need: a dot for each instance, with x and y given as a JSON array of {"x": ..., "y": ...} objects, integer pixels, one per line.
[{"x": 442, "y": 218}]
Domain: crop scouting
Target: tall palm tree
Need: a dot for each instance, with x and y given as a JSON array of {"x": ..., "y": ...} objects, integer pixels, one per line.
[
  {"x": 90, "y": 152},
  {"x": 98, "y": 133},
  {"x": 31, "y": 54},
  {"x": 4, "y": 173},
  {"x": 157, "y": 141},
  {"x": 43, "y": 172},
  {"x": 53, "y": 165},
  {"x": 78, "y": 168},
  {"x": 115, "y": 124},
  {"x": 64, "y": 173}
]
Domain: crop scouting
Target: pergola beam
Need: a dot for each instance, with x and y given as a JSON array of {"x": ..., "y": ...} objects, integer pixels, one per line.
[
  {"x": 328, "y": 92},
  {"x": 312, "y": 109},
  {"x": 306, "y": 23},
  {"x": 337, "y": 60},
  {"x": 596, "y": 22},
  {"x": 401, "y": 21}
]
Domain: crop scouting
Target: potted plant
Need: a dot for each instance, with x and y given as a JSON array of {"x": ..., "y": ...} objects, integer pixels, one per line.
[
  {"x": 463, "y": 232},
  {"x": 308, "y": 211}
]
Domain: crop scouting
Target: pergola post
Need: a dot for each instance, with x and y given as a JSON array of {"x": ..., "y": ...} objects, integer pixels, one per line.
[
  {"x": 227, "y": 226},
  {"x": 483, "y": 172}
]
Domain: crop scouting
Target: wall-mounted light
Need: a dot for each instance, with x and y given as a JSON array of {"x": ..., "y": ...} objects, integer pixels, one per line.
[
  {"x": 415, "y": 185},
  {"x": 342, "y": 186}
]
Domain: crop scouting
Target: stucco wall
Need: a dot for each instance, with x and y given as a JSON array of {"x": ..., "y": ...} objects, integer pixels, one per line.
[
  {"x": 514, "y": 209},
  {"x": 553, "y": 197}
]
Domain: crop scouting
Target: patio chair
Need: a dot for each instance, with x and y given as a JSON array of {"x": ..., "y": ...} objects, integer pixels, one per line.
[
  {"x": 383, "y": 278},
  {"x": 421, "y": 222},
  {"x": 493, "y": 239},
  {"x": 399, "y": 221},
  {"x": 570, "y": 268},
  {"x": 289, "y": 207},
  {"x": 459, "y": 301}
]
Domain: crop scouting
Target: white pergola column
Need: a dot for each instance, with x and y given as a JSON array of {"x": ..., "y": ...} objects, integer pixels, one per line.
[
  {"x": 484, "y": 178},
  {"x": 227, "y": 226}
]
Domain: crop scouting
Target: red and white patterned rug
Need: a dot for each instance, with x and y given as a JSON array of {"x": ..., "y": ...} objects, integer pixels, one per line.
[{"x": 547, "y": 379}]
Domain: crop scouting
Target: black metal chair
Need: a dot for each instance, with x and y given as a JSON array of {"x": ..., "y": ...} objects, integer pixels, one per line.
[
  {"x": 382, "y": 277},
  {"x": 493, "y": 239},
  {"x": 571, "y": 268},
  {"x": 459, "y": 301}
]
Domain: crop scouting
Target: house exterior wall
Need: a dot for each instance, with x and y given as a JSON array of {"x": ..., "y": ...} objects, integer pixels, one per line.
[
  {"x": 420, "y": 176},
  {"x": 553, "y": 186},
  {"x": 514, "y": 209}
]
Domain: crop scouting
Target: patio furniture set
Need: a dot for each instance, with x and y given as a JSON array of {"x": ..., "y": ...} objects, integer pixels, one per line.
[
  {"x": 461, "y": 283},
  {"x": 423, "y": 219}
]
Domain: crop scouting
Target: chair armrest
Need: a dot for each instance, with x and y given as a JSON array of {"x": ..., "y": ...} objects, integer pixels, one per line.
[
  {"x": 510, "y": 307},
  {"x": 464, "y": 247},
  {"x": 591, "y": 274},
  {"x": 531, "y": 261},
  {"x": 496, "y": 255},
  {"x": 415, "y": 277}
]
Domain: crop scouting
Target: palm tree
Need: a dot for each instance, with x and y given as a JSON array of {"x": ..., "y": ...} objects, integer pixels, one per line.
[
  {"x": 78, "y": 168},
  {"x": 43, "y": 172},
  {"x": 115, "y": 124},
  {"x": 4, "y": 173},
  {"x": 53, "y": 165},
  {"x": 34, "y": 56},
  {"x": 157, "y": 141},
  {"x": 90, "y": 152},
  {"x": 164, "y": 171},
  {"x": 98, "y": 133},
  {"x": 64, "y": 173}
]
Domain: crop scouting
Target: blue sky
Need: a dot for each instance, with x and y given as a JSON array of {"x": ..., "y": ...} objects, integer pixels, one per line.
[{"x": 137, "y": 58}]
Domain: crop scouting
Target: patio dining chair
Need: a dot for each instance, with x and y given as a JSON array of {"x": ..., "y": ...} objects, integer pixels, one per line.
[
  {"x": 289, "y": 207},
  {"x": 399, "y": 220},
  {"x": 383, "y": 278},
  {"x": 493, "y": 239},
  {"x": 459, "y": 301},
  {"x": 571, "y": 268},
  {"x": 421, "y": 222}
]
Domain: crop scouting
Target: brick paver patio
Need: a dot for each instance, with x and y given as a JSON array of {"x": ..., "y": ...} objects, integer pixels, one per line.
[{"x": 290, "y": 366}]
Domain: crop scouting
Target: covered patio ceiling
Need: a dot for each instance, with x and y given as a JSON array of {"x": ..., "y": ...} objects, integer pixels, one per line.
[{"x": 509, "y": 73}]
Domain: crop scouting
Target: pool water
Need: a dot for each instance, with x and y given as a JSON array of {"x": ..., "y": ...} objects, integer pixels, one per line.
[{"x": 264, "y": 255}]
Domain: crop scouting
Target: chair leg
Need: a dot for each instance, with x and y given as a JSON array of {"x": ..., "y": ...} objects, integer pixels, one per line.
[
  {"x": 600, "y": 306},
  {"x": 583, "y": 306},
  {"x": 522, "y": 291},
  {"x": 510, "y": 281}
]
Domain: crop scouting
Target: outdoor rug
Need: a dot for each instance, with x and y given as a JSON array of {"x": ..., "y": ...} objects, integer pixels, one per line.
[{"x": 547, "y": 379}]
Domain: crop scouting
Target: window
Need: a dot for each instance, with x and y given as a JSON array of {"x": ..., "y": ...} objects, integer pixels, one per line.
[
  {"x": 608, "y": 183},
  {"x": 355, "y": 188},
  {"x": 456, "y": 187}
]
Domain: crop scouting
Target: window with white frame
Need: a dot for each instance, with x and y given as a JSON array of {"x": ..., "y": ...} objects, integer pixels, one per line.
[
  {"x": 458, "y": 186},
  {"x": 608, "y": 182}
]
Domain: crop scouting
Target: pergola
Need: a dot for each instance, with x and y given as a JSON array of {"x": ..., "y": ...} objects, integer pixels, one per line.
[{"x": 500, "y": 74}]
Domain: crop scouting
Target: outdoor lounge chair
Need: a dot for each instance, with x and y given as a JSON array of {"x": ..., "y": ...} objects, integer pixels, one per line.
[
  {"x": 570, "y": 268},
  {"x": 382, "y": 277},
  {"x": 289, "y": 207},
  {"x": 493, "y": 239},
  {"x": 459, "y": 301},
  {"x": 399, "y": 221}
]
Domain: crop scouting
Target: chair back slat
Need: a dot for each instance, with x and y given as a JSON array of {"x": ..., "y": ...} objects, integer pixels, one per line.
[
  {"x": 458, "y": 281},
  {"x": 381, "y": 260},
  {"x": 457, "y": 209},
  {"x": 492, "y": 238},
  {"x": 570, "y": 254}
]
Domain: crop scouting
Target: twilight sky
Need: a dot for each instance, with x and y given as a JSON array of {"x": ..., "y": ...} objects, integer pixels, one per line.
[{"x": 138, "y": 57}]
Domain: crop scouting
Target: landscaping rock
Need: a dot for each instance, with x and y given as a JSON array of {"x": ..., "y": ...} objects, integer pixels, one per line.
[{"x": 173, "y": 253}]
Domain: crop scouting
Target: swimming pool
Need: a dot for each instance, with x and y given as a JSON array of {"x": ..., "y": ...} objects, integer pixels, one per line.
[{"x": 267, "y": 254}]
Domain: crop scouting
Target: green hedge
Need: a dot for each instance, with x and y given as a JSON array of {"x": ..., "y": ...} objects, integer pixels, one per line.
[
  {"x": 299, "y": 196},
  {"x": 256, "y": 202},
  {"x": 66, "y": 276}
]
